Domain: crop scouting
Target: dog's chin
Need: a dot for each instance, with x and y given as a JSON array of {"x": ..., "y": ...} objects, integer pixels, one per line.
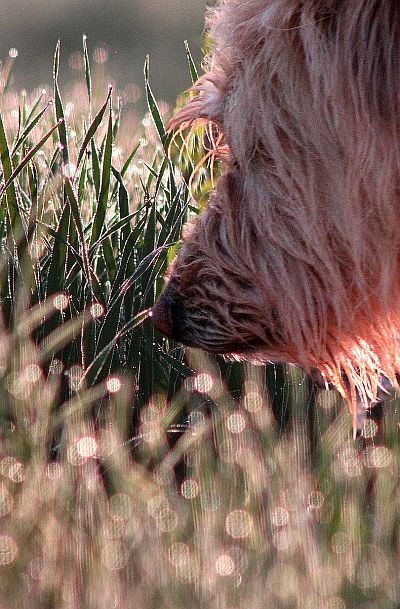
[{"x": 243, "y": 352}]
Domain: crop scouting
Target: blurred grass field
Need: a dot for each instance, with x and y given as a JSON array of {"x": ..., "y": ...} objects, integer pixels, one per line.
[{"x": 134, "y": 473}]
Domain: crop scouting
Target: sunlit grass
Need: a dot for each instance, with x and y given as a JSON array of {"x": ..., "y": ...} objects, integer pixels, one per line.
[{"x": 130, "y": 475}]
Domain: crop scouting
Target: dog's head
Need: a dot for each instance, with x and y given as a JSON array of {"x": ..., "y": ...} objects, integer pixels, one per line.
[{"x": 296, "y": 255}]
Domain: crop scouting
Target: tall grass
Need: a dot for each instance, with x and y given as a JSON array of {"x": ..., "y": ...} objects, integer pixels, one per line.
[{"x": 133, "y": 474}]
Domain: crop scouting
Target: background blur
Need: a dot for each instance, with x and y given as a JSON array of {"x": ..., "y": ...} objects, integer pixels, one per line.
[{"x": 125, "y": 31}]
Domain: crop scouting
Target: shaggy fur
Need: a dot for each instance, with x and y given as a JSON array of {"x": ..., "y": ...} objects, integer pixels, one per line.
[{"x": 296, "y": 257}]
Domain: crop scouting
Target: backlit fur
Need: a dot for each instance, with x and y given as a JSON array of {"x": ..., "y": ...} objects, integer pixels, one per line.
[{"x": 296, "y": 257}]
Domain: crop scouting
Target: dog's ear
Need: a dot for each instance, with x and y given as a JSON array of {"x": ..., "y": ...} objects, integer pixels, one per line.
[{"x": 204, "y": 107}]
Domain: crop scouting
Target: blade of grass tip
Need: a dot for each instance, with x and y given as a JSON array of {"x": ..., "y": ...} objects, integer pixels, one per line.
[
  {"x": 100, "y": 214},
  {"x": 129, "y": 160},
  {"x": 194, "y": 75},
  {"x": 152, "y": 105},
  {"x": 93, "y": 371},
  {"x": 28, "y": 157},
  {"x": 87, "y": 73},
  {"x": 76, "y": 214},
  {"x": 93, "y": 128},
  {"x": 152, "y": 172},
  {"x": 35, "y": 107},
  {"x": 21, "y": 139},
  {"x": 62, "y": 128}
]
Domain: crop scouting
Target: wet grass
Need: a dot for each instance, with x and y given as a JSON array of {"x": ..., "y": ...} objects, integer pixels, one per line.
[{"x": 133, "y": 474}]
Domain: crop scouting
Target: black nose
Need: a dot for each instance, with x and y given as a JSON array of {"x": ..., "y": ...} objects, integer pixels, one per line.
[{"x": 162, "y": 316}]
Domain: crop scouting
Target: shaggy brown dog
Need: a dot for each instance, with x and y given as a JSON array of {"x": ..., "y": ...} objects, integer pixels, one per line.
[{"x": 296, "y": 257}]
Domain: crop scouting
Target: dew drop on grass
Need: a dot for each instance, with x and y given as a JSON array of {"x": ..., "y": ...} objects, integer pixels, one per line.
[{"x": 87, "y": 447}]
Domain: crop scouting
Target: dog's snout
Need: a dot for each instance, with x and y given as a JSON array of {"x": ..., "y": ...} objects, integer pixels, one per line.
[{"x": 162, "y": 316}]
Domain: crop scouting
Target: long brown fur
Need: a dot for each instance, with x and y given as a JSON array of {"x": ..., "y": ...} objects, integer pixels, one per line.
[{"x": 296, "y": 257}]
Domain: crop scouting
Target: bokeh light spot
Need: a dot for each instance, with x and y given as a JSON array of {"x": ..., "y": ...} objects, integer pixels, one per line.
[
  {"x": 370, "y": 428},
  {"x": 8, "y": 550},
  {"x": 6, "y": 501},
  {"x": 253, "y": 401},
  {"x": 100, "y": 55},
  {"x": 75, "y": 376},
  {"x": 196, "y": 418},
  {"x": 203, "y": 382},
  {"x": 239, "y": 524},
  {"x": 280, "y": 516},
  {"x": 189, "y": 488},
  {"x": 86, "y": 447},
  {"x": 69, "y": 170},
  {"x": 225, "y": 565},
  {"x": 32, "y": 373},
  {"x": 96, "y": 310},
  {"x": 12, "y": 469},
  {"x": 377, "y": 457},
  {"x": 56, "y": 366},
  {"x": 61, "y": 301},
  {"x": 113, "y": 384},
  {"x": 76, "y": 60},
  {"x": 236, "y": 423}
]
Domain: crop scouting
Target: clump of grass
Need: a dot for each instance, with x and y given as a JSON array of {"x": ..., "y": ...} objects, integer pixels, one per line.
[{"x": 130, "y": 476}]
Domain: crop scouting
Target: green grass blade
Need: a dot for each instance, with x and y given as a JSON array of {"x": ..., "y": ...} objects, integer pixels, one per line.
[
  {"x": 87, "y": 73},
  {"x": 62, "y": 128},
  {"x": 93, "y": 371},
  {"x": 11, "y": 196},
  {"x": 194, "y": 75},
  {"x": 142, "y": 268},
  {"x": 100, "y": 215},
  {"x": 93, "y": 128},
  {"x": 29, "y": 156},
  {"x": 122, "y": 224},
  {"x": 95, "y": 168},
  {"x": 21, "y": 139},
  {"x": 76, "y": 214},
  {"x": 152, "y": 104},
  {"x": 58, "y": 256}
]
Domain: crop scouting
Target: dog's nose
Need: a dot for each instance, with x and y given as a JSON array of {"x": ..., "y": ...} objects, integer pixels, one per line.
[{"x": 161, "y": 316}]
